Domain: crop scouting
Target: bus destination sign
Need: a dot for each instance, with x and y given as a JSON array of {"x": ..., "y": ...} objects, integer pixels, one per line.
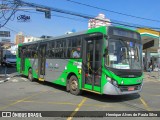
[{"x": 125, "y": 33}]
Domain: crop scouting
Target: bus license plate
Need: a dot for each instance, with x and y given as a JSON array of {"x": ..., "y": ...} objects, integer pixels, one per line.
[{"x": 130, "y": 88}]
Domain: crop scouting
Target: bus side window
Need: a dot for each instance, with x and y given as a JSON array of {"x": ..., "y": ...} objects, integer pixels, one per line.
[
  {"x": 76, "y": 47},
  {"x": 34, "y": 51},
  {"x": 50, "y": 49}
]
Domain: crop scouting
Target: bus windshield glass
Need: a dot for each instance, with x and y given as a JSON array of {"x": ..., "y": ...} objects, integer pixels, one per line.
[{"x": 124, "y": 54}]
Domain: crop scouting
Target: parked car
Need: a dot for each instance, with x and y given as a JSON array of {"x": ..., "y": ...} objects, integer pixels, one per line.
[{"x": 9, "y": 60}]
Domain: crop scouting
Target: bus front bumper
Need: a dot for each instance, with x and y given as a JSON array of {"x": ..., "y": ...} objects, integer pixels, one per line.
[{"x": 110, "y": 89}]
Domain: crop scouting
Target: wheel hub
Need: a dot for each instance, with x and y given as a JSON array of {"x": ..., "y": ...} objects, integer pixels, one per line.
[{"x": 74, "y": 85}]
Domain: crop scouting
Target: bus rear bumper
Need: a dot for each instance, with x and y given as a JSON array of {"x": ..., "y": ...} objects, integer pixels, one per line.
[{"x": 110, "y": 89}]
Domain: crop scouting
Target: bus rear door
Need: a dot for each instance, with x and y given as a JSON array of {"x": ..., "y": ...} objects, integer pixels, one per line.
[
  {"x": 42, "y": 61},
  {"x": 22, "y": 63}
]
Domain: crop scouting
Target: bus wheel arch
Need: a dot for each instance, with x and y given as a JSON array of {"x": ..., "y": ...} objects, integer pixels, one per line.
[
  {"x": 73, "y": 84},
  {"x": 30, "y": 75}
]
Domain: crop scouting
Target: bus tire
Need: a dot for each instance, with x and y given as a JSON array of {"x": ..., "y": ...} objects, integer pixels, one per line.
[
  {"x": 30, "y": 76},
  {"x": 74, "y": 86}
]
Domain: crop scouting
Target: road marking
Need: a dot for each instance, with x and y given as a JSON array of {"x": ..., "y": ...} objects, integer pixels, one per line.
[
  {"x": 21, "y": 100},
  {"x": 69, "y": 103},
  {"x": 145, "y": 104},
  {"x": 14, "y": 80},
  {"x": 59, "y": 103},
  {"x": 76, "y": 110}
]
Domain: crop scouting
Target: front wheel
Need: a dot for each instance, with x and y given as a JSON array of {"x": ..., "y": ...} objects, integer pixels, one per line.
[
  {"x": 30, "y": 76},
  {"x": 74, "y": 86}
]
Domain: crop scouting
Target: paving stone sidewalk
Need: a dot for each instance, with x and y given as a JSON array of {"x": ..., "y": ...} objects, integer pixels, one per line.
[{"x": 152, "y": 75}]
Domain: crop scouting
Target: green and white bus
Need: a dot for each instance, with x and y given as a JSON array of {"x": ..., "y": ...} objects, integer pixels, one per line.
[{"x": 109, "y": 61}]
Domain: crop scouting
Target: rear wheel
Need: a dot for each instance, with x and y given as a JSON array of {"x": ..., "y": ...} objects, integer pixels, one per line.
[
  {"x": 30, "y": 76},
  {"x": 74, "y": 86}
]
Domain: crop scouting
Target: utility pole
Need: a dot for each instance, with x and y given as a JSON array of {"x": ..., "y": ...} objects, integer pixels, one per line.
[{"x": 159, "y": 56}]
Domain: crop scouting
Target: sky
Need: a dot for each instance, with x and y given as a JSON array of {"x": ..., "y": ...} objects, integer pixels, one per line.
[{"x": 39, "y": 25}]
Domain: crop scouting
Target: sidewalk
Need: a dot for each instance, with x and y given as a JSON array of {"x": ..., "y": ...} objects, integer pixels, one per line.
[
  {"x": 3, "y": 78},
  {"x": 152, "y": 75},
  {"x": 3, "y": 74}
]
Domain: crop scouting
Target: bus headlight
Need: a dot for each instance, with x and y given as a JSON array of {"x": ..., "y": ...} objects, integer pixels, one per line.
[
  {"x": 109, "y": 79},
  {"x": 113, "y": 82}
]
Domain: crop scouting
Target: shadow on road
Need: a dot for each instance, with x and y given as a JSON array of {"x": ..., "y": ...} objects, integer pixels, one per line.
[
  {"x": 94, "y": 96},
  {"x": 111, "y": 98}
]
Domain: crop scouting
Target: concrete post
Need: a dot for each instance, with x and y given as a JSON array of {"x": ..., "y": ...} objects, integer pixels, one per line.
[
  {"x": 147, "y": 59},
  {"x": 5, "y": 71},
  {"x": 159, "y": 58}
]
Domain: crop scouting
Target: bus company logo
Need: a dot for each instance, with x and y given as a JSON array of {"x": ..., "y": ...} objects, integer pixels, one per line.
[
  {"x": 23, "y": 18},
  {"x": 131, "y": 76}
]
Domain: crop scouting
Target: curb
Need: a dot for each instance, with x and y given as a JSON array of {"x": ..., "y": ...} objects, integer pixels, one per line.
[{"x": 5, "y": 80}]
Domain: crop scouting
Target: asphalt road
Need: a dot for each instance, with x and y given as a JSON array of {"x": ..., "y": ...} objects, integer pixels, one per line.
[{"x": 19, "y": 94}]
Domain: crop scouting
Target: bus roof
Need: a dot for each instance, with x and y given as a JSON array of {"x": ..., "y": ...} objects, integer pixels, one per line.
[
  {"x": 98, "y": 29},
  {"x": 55, "y": 38}
]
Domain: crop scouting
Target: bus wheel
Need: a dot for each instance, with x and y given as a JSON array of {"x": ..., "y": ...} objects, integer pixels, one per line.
[
  {"x": 30, "y": 77},
  {"x": 73, "y": 85}
]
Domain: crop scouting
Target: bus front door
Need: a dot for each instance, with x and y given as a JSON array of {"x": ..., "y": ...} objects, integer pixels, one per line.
[
  {"x": 92, "y": 57},
  {"x": 42, "y": 61}
]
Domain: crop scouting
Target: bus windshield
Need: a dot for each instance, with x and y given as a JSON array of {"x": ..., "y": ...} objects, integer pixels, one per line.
[{"x": 124, "y": 54}]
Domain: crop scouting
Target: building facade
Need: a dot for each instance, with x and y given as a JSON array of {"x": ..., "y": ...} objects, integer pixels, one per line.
[
  {"x": 100, "y": 20},
  {"x": 31, "y": 39},
  {"x": 19, "y": 38}
]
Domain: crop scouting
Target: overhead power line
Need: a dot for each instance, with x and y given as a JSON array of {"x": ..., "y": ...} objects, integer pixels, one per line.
[
  {"x": 80, "y": 14},
  {"x": 71, "y": 18},
  {"x": 3, "y": 16},
  {"x": 11, "y": 29},
  {"x": 76, "y": 19},
  {"x": 113, "y": 11},
  {"x": 60, "y": 16},
  {"x": 22, "y": 3}
]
